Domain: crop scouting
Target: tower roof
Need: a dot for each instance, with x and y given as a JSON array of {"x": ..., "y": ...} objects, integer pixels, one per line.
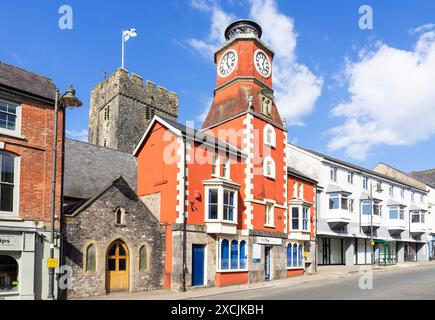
[{"x": 243, "y": 28}]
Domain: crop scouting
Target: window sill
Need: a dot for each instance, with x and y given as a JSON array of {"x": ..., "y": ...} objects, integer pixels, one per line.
[
  {"x": 233, "y": 271},
  {"x": 220, "y": 221},
  {"x": 9, "y": 217},
  {"x": 270, "y": 145},
  {"x": 11, "y": 134},
  {"x": 270, "y": 226},
  {"x": 296, "y": 268},
  {"x": 269, "y": 177},
  {"x": 299, "y": 230}
]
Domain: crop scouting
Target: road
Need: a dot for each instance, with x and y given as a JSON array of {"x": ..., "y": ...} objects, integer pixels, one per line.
[{"x": 411, "y": 283}]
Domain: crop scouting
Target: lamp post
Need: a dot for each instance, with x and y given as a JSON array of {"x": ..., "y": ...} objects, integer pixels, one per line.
[
  {"x": 66, "y": 100},
  {"x": 372, "y": 203}
]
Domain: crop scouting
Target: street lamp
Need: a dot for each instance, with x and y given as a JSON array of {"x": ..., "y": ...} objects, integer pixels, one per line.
[
  {"x": 68, "y": 99},
  {"x": 372, "y": 202}
]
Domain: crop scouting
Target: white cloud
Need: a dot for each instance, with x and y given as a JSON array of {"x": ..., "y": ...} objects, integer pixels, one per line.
[
  {"x": 219, "y": 21},
  {"x": 296, "y": 87},
  {"x": 392, "y": 99},
  {"x": 81, "y": 135}
]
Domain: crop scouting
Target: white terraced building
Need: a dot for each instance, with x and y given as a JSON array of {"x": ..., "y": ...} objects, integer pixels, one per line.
[{"x": 363, "y": 216}]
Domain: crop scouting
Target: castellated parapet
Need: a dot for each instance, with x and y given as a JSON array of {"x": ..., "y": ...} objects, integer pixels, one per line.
[{"x": 122, "y": 107}]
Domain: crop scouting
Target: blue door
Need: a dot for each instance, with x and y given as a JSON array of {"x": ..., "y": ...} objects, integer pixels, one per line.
[
  {"x": 267, "y": 262},
  {"x": 198, "y": 261}
]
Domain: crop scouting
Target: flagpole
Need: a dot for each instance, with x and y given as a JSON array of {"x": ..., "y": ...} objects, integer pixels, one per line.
[{"x": 123, "y": 48}]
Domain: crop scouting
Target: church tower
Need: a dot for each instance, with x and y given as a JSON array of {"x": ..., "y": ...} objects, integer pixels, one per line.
[{"x": 122, "y": 107}]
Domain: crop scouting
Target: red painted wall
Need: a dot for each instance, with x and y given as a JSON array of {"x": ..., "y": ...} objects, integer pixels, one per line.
[{"x": 231, "y": 278}]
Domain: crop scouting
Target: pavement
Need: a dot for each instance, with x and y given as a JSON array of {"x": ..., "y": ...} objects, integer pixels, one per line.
[{"x": 297, "y": 287}]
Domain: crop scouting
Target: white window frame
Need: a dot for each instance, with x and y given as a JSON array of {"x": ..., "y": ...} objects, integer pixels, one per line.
[
  {"x": 391, "y": 190},
  {"x": 269, "y": 214},
  {"x": 219, "y": 255},
  {"x": 269, "y": 159},
  {"x": 402, "y": 193},
  {"x": 266, "y": 129},
  {"x": 295, "y": 189},
  {"x": 17, "y": 131},
  {"x": 297, "y": 267},
  {"x": 350, "y": 176},
  {"x": 333, "y": 172},
  {"x": 365, "y": 182},
  {"x": 16, "y": 192},
  {"x": 215, "y": 171},
  {"x": 226, "y": 168},
  {"x": 300, "y": 208},
  {"x": 400, "y": 213},
  {"x": 301, "y": 191},
  {"x": 220, "y": 201}
]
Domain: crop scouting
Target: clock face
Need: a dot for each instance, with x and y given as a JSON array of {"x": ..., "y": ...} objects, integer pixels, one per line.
[
  {"x": 262, "y": 63},
  {"x": 227, "y": 63}
]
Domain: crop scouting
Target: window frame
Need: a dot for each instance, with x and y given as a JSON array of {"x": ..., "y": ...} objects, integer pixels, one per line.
[
  {"x": 215, "y": 166},
  {"x": 350, "y": 176},
  {"x": 17, "y": 131},
  {"x": 301, "y": 208},
  {"x": 269, "y": 214},
  {"x": 16, "y": 184},
  {"x": 226, "y": 168},
  {"x": 88, "y": 247},
  {"x": 333, "y": 172},
  {"x": 296, "y": 261},
  {"x": 239, "y": 258},
  {"x": 220, "y": 203},
  {"x": 266, "y": 161},
  {"x": 269, "y": 128}
]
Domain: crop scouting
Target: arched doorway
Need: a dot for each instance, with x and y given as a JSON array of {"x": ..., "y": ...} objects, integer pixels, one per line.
[
  {"x": 117, "y": 278},
  {"x": 8, "y": 274}
]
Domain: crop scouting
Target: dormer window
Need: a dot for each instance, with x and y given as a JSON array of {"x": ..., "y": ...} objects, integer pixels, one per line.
[{"x": 269, "y": 136}]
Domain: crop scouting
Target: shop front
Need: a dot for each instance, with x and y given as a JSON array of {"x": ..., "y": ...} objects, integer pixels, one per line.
[
  {"x": 11, "y": 273},
  {"x": 330, "y": 251}
]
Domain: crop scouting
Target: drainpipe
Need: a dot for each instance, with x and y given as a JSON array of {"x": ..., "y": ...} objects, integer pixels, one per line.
[
  {"x": 315, "y": 230},
  {"x": 184, "y": 214}
]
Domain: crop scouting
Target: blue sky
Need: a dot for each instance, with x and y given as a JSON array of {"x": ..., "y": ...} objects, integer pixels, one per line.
[{"x": 364, "y": 96}]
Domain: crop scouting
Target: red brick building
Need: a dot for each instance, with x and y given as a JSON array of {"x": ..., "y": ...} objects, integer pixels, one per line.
[
  {"x": 26, "y": 140},
  {"x": 234, "y": 212}
]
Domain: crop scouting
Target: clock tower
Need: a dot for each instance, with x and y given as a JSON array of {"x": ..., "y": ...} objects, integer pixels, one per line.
[{"x": 244, "y": 77}]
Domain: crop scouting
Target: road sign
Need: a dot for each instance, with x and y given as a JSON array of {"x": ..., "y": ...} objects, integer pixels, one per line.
[{"x": 52, "y": 263}]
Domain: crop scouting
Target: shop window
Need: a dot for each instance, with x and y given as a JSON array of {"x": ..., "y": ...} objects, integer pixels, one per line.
[
  {"x": 225, "y": 254},
  {"x": 143, "y": 259},
  {"x": 8, "y": 274},
  {"x": 289, "y": 255},
  {"x": 232, "y": 255},
  {"x": 243, "y": 255},
  {"x": 90, "y": 258},
  {"x": 300, "y": 255},
  {"x": 295, "y": 255}
]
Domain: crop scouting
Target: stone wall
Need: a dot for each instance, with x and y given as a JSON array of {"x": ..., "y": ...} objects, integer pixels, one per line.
[
  {"x": 95, "y": 224},
  {"x": 122, "y": 107}
]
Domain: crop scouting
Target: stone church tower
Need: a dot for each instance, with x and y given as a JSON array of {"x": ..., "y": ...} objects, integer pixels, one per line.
[{"x": 122, "y": 107}]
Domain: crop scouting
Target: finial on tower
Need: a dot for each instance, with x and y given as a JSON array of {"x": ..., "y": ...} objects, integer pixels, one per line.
[{"x": 244, "y": 29}]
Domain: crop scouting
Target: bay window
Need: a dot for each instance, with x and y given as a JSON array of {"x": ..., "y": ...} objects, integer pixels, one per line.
[
  {"x": 213, "y": 204},
  {"x": 221, "y": 200},
  {"x": 397, "y": 213},
  {"x": 232, "y": 255},
  {"x": 295, "y": 218},
  {"x": 417, "y": 217},
  {"x": 367, "y": 205},
  {"x": 228, "y": 205},
  {"x": 340, "y": 201},
  {"x": 300, "y": 216}
]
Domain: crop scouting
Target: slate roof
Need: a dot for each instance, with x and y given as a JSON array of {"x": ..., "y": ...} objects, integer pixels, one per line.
[
  {"x": 298, "y": 174},
  {"x": 355, "y": 167},
  {"x": 427, "y": 177},
  {"x": 26, "y": 82},
  {"x": 199, "y": 136},
  {"x": 90, "y": 168}
]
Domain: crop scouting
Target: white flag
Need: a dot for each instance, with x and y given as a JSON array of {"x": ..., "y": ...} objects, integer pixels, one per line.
[{"x": 129, "y": 34}]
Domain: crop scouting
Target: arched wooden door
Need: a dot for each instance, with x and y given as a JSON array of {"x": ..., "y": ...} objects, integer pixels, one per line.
[{"x": 117, "y": 267}]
